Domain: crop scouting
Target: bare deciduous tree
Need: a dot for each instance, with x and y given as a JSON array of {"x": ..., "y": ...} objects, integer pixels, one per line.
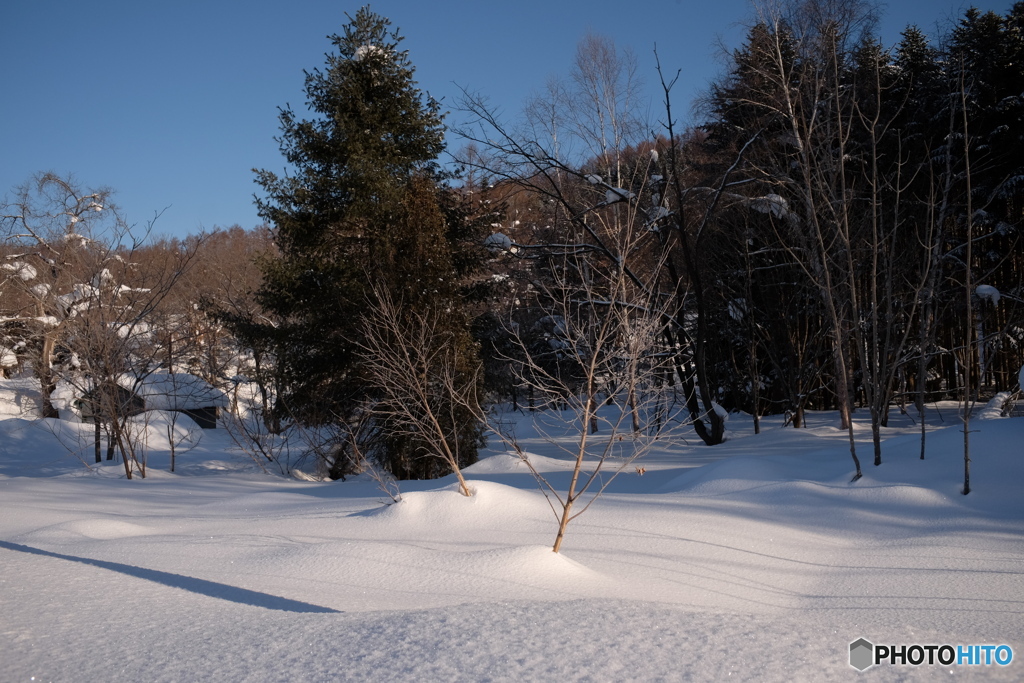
[
  {"x": 87, "y": 306},
  {"x": 50, "y": 227},
  {"x": 597, "y": 358},
  {"x": 421, "y": 378}
]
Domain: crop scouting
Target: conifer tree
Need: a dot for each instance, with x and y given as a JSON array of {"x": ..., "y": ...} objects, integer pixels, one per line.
[{"x": 363, "y": 205}]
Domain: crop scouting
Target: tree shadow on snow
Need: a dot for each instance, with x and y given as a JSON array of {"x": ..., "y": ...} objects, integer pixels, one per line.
[{"x": 201, "y": 586}]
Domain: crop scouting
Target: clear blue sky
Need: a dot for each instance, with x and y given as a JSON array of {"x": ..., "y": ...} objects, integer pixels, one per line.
[{"x": 172, "y": 103}]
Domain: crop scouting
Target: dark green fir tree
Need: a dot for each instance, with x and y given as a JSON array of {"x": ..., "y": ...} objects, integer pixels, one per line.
[{"x": 364, "y": 208}]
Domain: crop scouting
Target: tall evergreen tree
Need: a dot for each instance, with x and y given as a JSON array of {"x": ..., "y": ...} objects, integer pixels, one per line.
[{"x": 362, "y": 206}]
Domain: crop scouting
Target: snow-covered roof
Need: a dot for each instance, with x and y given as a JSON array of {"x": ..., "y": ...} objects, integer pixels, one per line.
[{"x": 176, "y": 391}]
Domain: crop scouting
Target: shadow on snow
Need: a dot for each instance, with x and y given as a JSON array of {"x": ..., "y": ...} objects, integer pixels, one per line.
[{"x": 201, "y": 586}]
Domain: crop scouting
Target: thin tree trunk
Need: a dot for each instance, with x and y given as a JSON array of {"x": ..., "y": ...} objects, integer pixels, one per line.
[
  {"x": 634, "y": 415},
  {"x": 969, "y": 315},
  {"x": 47, "y": 383},
  {"x": 110, "y": 442}
]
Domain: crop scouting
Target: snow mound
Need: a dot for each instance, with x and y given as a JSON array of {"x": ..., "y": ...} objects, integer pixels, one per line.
[
  {"x": 157, "y": 427},
  {"x": 490, "y": 504},
  {"x": 540, "y": 564},
  {"x": 93, "y": 529},
  {"x": 510, "y": 463},
  {"x": 501, "y": 463},
  {"x": 727, "y": 476},
  {"x": 43, "y": 447},
  {"x": 994, "y": 408},
  {"x": 19, "y": 397}
]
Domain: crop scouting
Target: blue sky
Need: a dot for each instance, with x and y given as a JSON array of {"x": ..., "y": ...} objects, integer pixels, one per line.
[{"x": 171, "y": 104}]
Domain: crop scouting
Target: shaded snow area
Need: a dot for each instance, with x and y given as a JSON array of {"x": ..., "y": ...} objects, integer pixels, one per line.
[{"x": 753, "y": 560}]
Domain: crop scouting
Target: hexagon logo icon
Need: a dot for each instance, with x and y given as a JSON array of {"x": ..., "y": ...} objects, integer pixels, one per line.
[{"x": 862, "y": 654}]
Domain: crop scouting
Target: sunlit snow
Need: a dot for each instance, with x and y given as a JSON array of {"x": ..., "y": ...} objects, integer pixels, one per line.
[{"x": 753, "y": 560}]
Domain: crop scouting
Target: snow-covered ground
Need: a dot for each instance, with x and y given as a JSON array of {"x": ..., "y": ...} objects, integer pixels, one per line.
[{"x": 754, "y": 560}]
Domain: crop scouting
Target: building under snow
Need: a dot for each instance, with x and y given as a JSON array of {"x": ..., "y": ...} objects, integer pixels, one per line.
[
  {"x": 179, "y": 392},
  {"x": 183, "y": 393}
]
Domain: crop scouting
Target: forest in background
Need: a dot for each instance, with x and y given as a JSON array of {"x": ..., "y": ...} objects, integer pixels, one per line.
[{"x": 841, "y": 231}]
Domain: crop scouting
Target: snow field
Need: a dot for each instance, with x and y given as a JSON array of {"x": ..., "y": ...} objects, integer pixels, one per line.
[{"x": 754, "y": 560}]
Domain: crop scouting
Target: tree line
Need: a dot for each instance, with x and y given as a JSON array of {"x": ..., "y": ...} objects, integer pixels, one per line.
[{"x": 841, "y": 230}]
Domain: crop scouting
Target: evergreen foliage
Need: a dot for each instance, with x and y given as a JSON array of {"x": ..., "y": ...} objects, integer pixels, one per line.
[
  {"x": 364, "y": 204},
  {"x": 887, "y": 145}
]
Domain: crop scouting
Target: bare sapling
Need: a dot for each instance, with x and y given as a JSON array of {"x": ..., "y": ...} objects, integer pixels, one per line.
[
  {"x": 598, "y": 361},
  {"x": 420, "y": 374}
]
